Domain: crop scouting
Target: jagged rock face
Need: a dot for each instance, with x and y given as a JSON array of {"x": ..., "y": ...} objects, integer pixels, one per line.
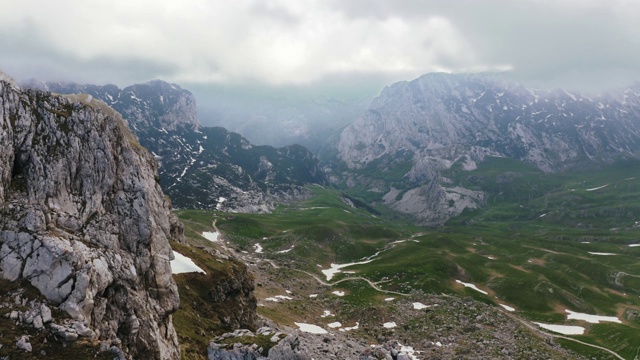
[
  {"x": 202, "y": 167},
  {"x": 436, "y": 113},
  {"x": 84, "y": 220},
  {"x": 440, "y": 120},
  {"x": 156, "y": 104}
]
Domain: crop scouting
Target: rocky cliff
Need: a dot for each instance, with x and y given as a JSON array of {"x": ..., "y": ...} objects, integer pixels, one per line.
[
  {"x": 414, "y": 130},
  {"x": 85, "y": 222},
  {"x": 204, "y": 167}
]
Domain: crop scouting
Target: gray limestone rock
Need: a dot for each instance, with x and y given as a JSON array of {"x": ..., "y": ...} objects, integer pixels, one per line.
[
  {"x": 24, "y": 344},
  {"x": 83, "y": 219}
]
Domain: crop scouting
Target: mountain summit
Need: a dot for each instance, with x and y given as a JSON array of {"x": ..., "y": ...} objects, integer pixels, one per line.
[{"x": 414, "y": 130}]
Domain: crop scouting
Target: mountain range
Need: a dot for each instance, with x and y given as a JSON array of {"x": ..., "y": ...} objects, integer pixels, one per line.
[
  {"x": 399, "y": 150},
  {"x": 87, "y": 234},
  {"x": 203, "y": 167}
]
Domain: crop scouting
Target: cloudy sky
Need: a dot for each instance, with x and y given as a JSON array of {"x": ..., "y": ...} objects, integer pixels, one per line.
[{"x": 266, "y": 43}]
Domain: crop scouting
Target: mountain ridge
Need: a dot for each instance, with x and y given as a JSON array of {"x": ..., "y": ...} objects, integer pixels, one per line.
[
  {"x": 205, "y": 167},
  {"x": 439, "y": 120}
]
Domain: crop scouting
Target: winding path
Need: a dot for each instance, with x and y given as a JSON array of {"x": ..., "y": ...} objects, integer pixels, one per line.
[{"x": 352, "y": 278}]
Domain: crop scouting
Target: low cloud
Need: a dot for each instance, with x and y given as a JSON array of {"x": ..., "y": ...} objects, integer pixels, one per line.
[{"x": 572, "y": 43}]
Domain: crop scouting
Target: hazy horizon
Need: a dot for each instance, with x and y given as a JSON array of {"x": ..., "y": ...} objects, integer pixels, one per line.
[{"x": 277, "y": 44}]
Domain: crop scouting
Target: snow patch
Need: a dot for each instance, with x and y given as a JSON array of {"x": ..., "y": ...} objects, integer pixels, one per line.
[
  {"x": 327, "y": 313},
  {"x": 389, "y": 325},
  {"x": 310, "y": 328},
  {"x": 182, "y": 264},
  {"x": 338, "y": 293},
  {"x": 211, "y": 236},
  {"x": 601, "y": 253},
  {"x": 220, "y": 201},
  {"x": 594, "y": 319},
  {"x": 389, "y": 299},
  {"x": 472, "y": 286},
  {"x": 335, "y": 268},
  {"x": 420, "y": 306},
  {"x": 409, "y": 351},
  {"x": 334, "y": 325},
  {"x": 258, "y": 248},
  {"x": 277, "y": 298},
  {"x": 597, "y": 188},
  {"x": 562, "y": 329},
  {"x": 351, "y": 328},
  {"x": 507, "y": 307},
  {"x": 285, "y": 251}
]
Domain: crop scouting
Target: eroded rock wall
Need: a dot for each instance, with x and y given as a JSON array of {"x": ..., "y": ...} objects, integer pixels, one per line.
[{"x": 83, "y": 219}]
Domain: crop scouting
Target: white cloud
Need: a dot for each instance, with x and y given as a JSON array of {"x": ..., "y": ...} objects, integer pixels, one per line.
[{"x": 304, "y": 41}]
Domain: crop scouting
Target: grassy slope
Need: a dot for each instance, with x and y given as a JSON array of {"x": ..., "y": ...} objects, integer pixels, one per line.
[{"x": 529, "y": 248}]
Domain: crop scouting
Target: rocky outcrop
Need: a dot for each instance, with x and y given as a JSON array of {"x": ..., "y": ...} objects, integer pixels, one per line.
[
  {"x": 414, "y": 131},
  {"x": 84, "y": 220},
  {"x": 204, "y": 167}
]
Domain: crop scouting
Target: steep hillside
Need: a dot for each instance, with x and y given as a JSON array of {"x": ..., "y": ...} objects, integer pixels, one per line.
[
  {"x": 84, "y": 231},
  {"x": 396, "y": 151},
  {"x": 202, "y": 167}
]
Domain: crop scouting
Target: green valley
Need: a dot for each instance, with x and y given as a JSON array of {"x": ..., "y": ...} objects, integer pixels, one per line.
[{"x": 543, "y": 244}]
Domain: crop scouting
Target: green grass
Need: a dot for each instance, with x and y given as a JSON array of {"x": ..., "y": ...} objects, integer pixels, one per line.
[{"x": 529, "y": 246}]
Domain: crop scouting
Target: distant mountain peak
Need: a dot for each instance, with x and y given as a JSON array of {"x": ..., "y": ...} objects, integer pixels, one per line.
[{"x": 422, "y": 127}]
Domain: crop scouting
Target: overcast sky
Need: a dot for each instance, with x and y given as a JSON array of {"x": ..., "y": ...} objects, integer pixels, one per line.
[{"x": 571, "y": 43}]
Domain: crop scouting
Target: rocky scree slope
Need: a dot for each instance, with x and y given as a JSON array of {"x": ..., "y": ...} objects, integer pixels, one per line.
[
  {"x": 414, "y": 130},
  {"x": 85, "y": 222},
  {"x": 204, "y": 167}
]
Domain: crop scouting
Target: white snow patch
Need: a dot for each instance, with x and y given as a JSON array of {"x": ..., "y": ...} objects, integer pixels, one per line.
[
  {"x": 258, "y": 248},
  {"x": 351, "y": 328},
  {"x": 389, "y": 325},
  {"x": 182, "y": 264},
  {"x": 313, "y": 296},
  {"x": 507, "y": 307},
  {"x": 277, "y": 298},
  {"x": 310, "y": 328},
  {"x": 472, "y": 286},
  {"x": 597, "y": 188},
  {"x": 420, "y": 306},
  {"x": 409, "y": 351},
  {"x": 335, "y": 268},
  {"x": 327, "y": 313},
  {"x": 338, "y": 293},
  {"x": 543, "y": 215},
  {"x": 634, "y": 245},
  {"x": 594, "y": 319},
  {"x": 334, "y": 325},
  {"x": 389, "y": 299},
  {"x": 563, "y": 329},
  {"x": 220, "y": 201},
  {"x": 601, "y": 253},
  {"x": 211, "y": 236},
  {"x": 285, "y": 251}
]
